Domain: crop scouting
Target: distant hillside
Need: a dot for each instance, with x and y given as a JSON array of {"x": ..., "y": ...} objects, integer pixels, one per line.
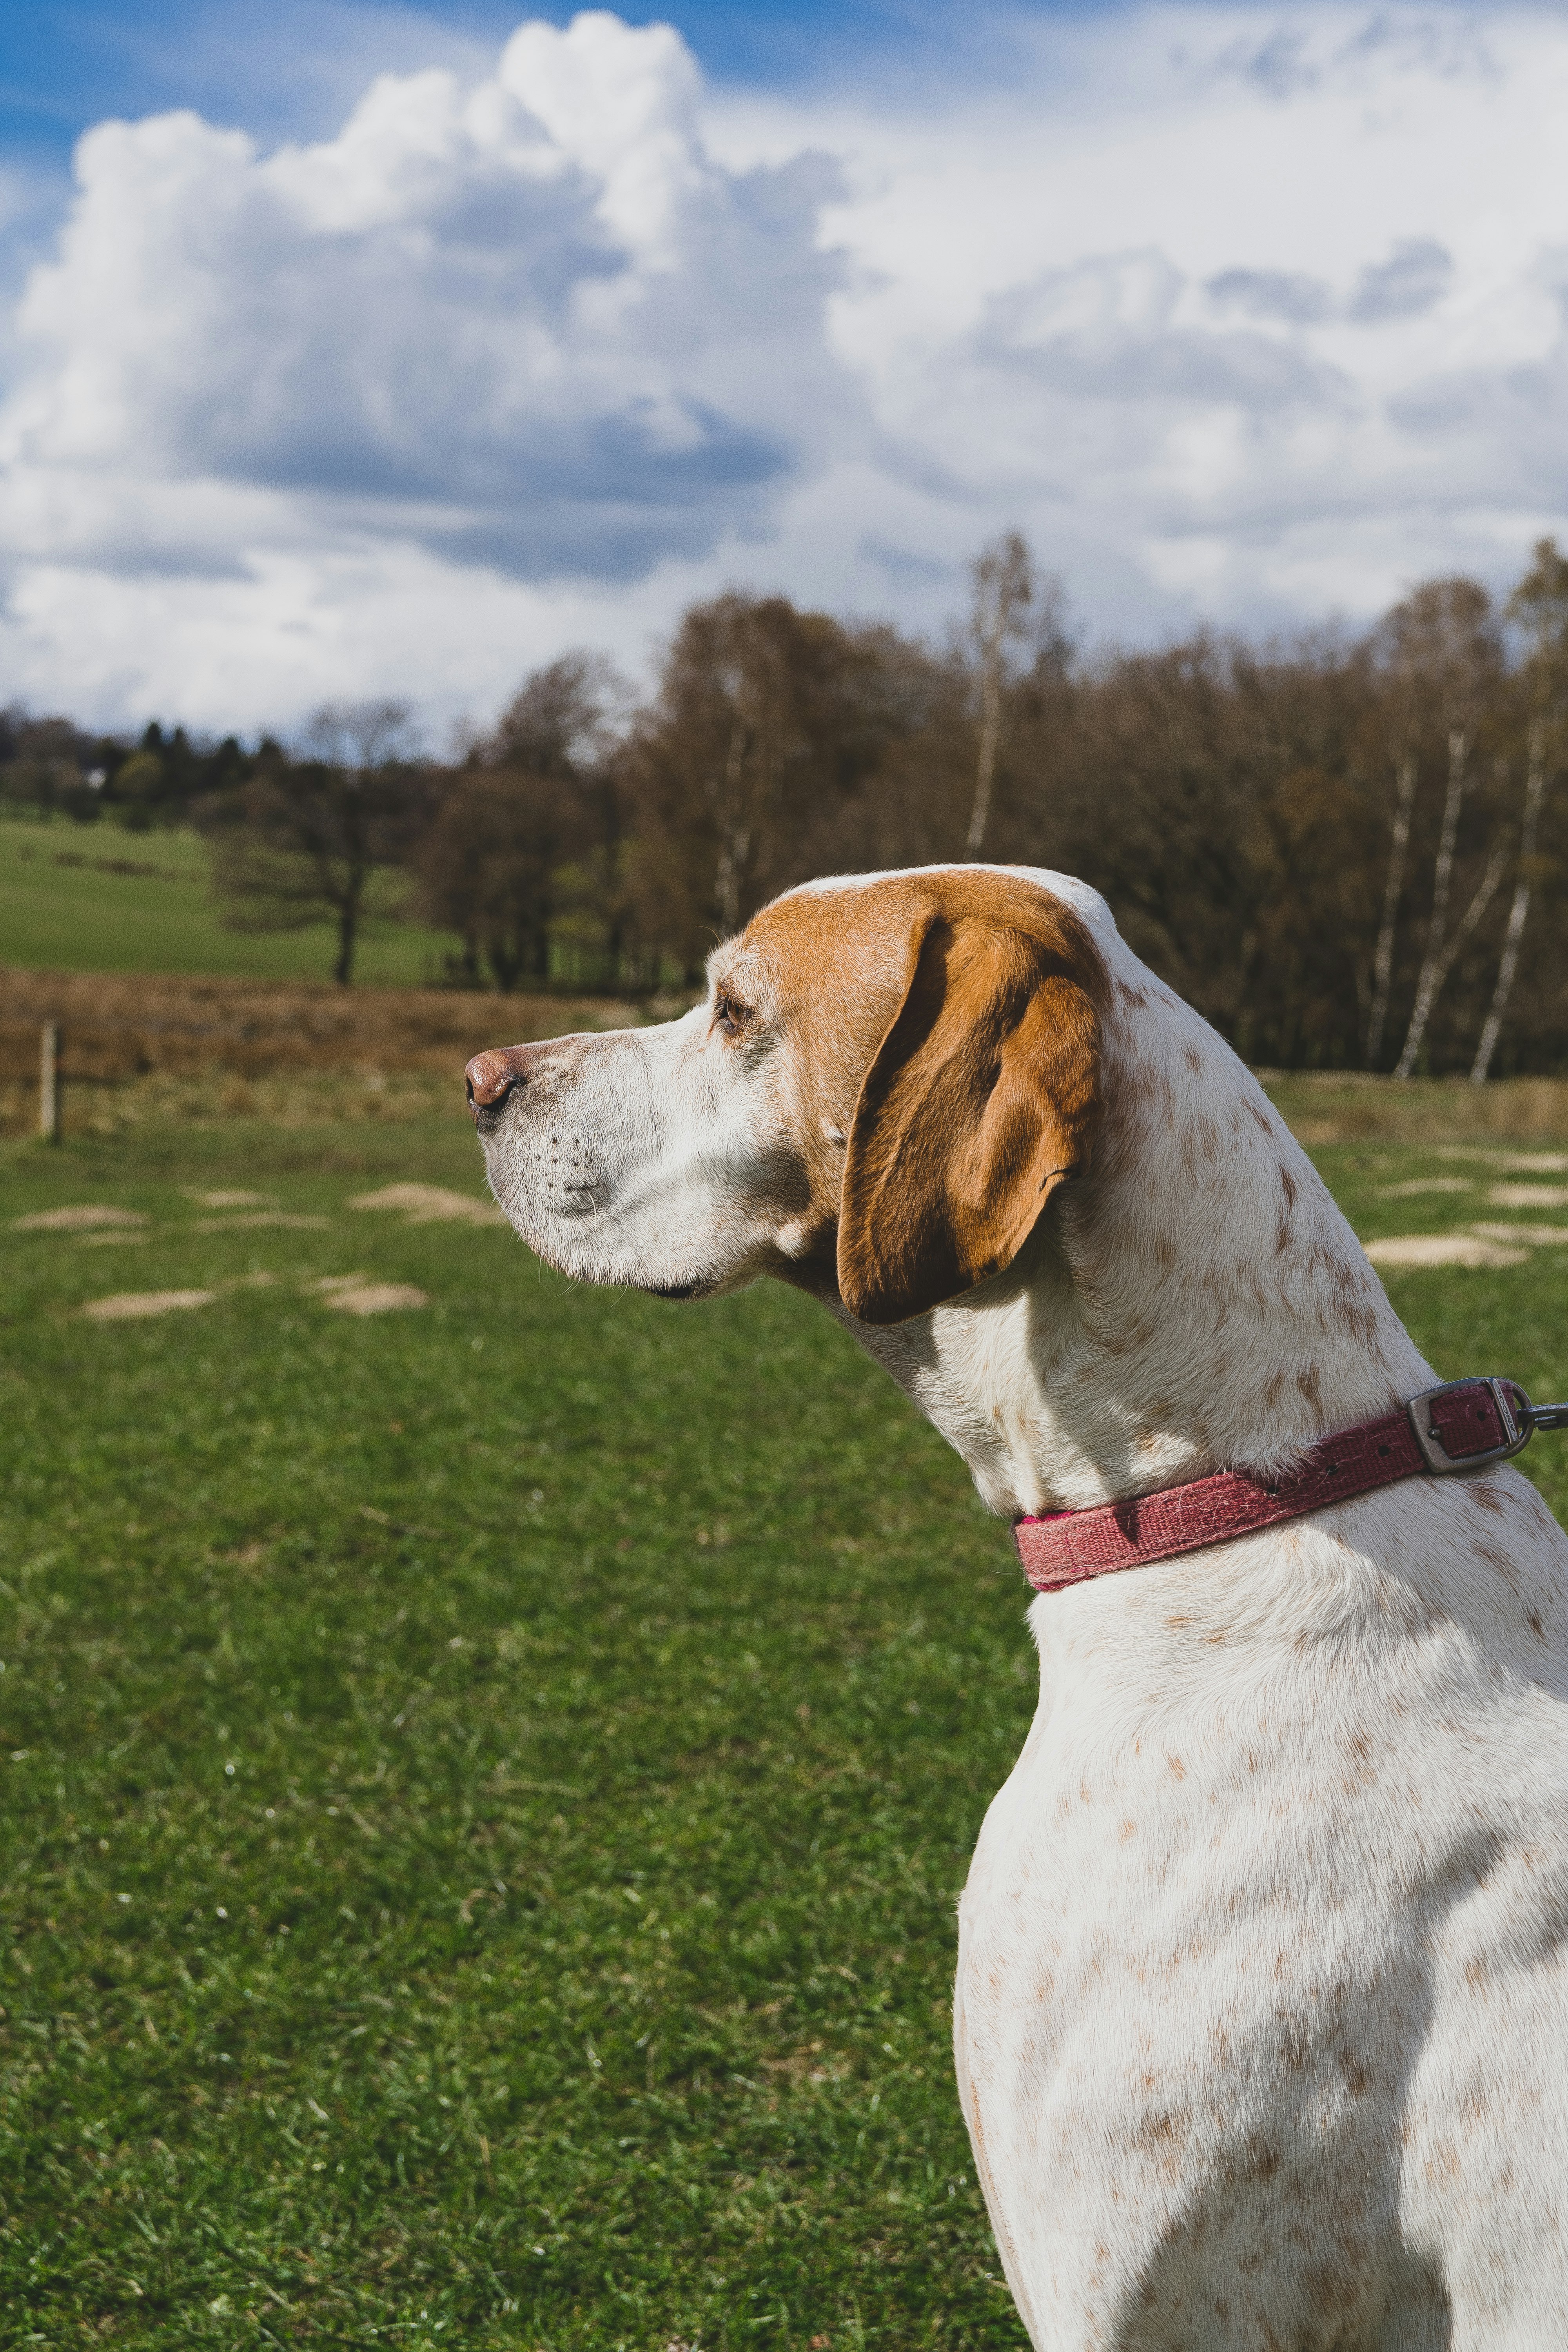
[{"x": 91, "y": 898}]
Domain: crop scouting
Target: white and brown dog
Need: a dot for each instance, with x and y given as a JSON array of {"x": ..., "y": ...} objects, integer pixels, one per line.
[{"x": 1261, "y": 2017}]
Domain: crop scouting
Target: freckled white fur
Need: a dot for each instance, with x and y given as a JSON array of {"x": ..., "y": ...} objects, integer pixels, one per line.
[{"x": 1261, "y": 2019}]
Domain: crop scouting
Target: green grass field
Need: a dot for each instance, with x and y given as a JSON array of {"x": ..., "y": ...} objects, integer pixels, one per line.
[
  {"x": 487, "y": 1783},
  {"x": 63, "y": 908}
]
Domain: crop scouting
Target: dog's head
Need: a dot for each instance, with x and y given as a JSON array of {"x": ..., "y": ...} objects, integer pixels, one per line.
[{"x": 887, "y": 1081}]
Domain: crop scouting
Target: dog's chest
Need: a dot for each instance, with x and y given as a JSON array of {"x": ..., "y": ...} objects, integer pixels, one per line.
[{"x": 1200, "y": 1966}]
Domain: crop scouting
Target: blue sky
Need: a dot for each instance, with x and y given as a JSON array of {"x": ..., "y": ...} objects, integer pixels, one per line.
[
  {"x": 353, "y": 349},
  {"x": 291, "y": 68}
]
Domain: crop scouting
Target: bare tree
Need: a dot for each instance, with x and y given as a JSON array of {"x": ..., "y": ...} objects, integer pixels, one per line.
[
  {"x": 360, "y": 737},
  {"x": 1405, "y": 753},
  {"x": 490, "y": 867},
  {"x": 732, "y": 718},
  {"x": 1435, "y": 975},
  {"x": 1541, "y": 603},
  {"x": 562, "y": 720},
  {"x": 1008, "y": 595},
  {"x": 528, "y": 823},
  {"x": 1461, "y": 643},
  {"x": 302, "y": 841}
]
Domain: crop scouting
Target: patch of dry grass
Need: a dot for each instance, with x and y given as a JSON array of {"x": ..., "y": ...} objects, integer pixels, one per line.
[
  {"x": 1350, "y": 1106},
  {"x": 142, "y": 1049},
  {"x": 223, "y": 1040},
  {"x": 305, "y": 1099}
]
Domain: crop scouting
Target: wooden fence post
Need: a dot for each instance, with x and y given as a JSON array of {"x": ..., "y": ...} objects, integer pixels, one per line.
[{"x": 50, "y": 1078}]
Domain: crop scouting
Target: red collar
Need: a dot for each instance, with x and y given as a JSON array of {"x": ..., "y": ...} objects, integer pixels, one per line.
[{"x": 1456, "y": 1427}]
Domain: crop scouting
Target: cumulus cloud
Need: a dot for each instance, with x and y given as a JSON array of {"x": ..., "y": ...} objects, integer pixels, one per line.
[
  {"x": 529, "y": 325},
  {"x": 1272, "y": 294},
  {"x": 1252, "y": 313},
  {"x": 1110, "y": 329},
  {"x": 1415, "y": 277}
]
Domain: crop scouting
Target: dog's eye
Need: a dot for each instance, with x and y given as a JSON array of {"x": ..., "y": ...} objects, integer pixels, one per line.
[{"x": 727, "y": 1015}]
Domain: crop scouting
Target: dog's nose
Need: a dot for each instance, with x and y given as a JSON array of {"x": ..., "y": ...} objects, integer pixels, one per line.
[{"x": 492, "y": 1077}]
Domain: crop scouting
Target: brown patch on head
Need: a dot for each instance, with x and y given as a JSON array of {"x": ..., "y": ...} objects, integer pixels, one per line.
[
  {"x": 981, "y": 1098},
  {"x": 945, "y": 1057},
  {"x": 823, "y": 970}
]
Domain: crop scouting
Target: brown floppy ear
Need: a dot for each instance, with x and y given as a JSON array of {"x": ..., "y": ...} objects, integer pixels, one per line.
[{"x": 980, "y": 1101}]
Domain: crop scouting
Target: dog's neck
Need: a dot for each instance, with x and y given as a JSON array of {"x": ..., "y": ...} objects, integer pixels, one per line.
[{"x": 1195, "y": 1302}]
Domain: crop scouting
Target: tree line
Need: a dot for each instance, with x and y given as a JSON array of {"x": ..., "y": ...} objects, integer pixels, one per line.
[{"x": 1347, "y": 850}]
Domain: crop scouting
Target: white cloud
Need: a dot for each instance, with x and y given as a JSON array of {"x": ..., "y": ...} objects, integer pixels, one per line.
[
  {"x": 529, "y": 324},
  {"x": 1252, "y": 313}
]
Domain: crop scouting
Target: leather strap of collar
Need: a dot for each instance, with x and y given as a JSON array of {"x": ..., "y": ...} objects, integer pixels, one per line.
[{"x": 1458, "y": 1426}]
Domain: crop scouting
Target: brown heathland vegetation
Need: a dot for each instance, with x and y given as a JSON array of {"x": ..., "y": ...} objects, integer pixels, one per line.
[
  {"x": 138, "y": 1045},
  {"x": 120, "y": 1026},
  {"x": 1351, "y": 1107},
  {"x": 184, "y": 1034}
]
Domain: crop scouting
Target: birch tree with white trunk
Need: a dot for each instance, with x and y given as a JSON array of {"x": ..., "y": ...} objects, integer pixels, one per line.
[
  {"x": 1540, "y": 604},
  {"x": 1405, "y": 754},
  {"x": 1464, "y": 661},
  {"x": 1006, "y": 588}
]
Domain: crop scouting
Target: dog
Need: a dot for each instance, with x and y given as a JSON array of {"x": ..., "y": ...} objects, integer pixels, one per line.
[{"x": 1261, "y": 2012}]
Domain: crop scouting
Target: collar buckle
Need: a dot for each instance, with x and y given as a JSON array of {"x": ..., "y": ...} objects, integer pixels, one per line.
[{"x": 1517, "y": 1418}]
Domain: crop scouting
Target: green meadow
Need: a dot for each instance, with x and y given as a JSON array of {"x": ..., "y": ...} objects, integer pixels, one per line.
[
  {"x": 487, "y": 1779},
  {"x": 93, "y": 897}
]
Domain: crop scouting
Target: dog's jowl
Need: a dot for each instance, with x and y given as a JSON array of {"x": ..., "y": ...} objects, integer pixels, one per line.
[{"x": 1261, "y": 2016}]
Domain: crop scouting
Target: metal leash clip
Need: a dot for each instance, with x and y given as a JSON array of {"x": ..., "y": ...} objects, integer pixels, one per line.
[{"x": 1519, "y": 1419}]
